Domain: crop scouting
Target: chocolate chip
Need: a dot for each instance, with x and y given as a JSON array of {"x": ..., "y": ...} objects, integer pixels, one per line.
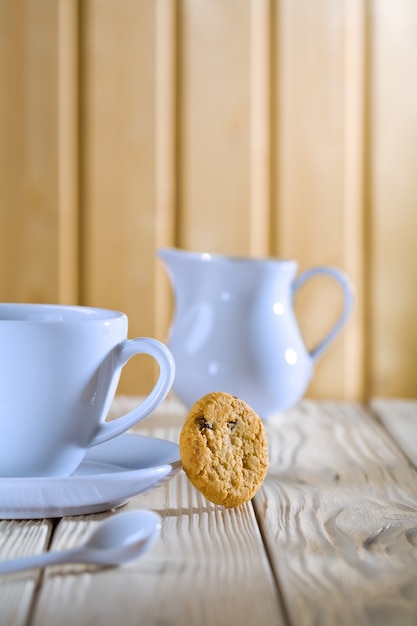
[
  {"x": 203, "y": 424},
  {"x": 232, "y": 425}
]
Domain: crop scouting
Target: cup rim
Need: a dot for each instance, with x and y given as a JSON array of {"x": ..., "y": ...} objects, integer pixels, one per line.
[{"x": 44, "y": 313}]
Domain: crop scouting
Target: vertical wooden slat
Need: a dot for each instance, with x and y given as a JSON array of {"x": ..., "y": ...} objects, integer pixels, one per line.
[
  {"x": 354, "y": 346},
  {"x": 38, "y": 129},
  {"x": 393, "y": 182},
  {"x": 68, "y": 146},
  {"x": 118, "y": 166},
  {"x": 260, "y": 128},
  {"x": 214, "y": 197},
  {"x": 318, "y": 81},
  {"x": 166, "y": 151},
  {"x": 128, "y": 186}
]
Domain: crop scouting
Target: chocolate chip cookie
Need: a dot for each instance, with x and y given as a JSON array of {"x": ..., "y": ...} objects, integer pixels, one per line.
[{"x": 223, "y": 449}]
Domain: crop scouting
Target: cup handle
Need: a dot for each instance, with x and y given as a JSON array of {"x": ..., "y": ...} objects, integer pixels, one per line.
[
  {"x": 347, "y": 289},
  {"x": 125, "y": 350}
]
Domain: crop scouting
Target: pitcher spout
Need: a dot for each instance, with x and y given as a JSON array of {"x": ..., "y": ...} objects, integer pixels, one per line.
[
  {"x": 180, "y": 265},
  {"x": 170, "y": 260},
  {"x": 171, "y": 257}
]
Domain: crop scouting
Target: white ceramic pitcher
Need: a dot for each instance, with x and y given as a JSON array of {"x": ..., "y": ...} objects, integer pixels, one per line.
[{"x": 234, "y": 328}]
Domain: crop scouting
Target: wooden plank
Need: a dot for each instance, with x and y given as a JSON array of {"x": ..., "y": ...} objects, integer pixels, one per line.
[
  {"x": 338, "y": 511},
  {"x": 68, "y": 152},
  {"x": 340, "y": 525},
  {"x": 318, "y": 207},
  {"x": 38, "y": 168},
  {"x": 354, "y": 336},
  {"x": 260, "y": 128},
  {"x": 201, "y": 547},
  {"x": 166, "y": 153},
  {"x": 214, "y": 121},
  {"x": 17, "y": 591},
  {"x": 393, "y": 197},
  {"x": 399, "y": 417},
  {"x": 126, "y": 203}
]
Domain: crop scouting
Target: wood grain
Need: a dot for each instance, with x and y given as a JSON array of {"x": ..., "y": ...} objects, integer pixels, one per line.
[
  {"x": 338, "y": 512},
  {"x": 38, "y": 151},
  {"x": 317, "y": 172},
  {"x": 124, "y": 203},
  {"x": 203, "y": 570},
  {"x": 399, "y": 418},
  {"x": 331, "y": 537},
  {"x": 17, "y": 591},
  {"x": 392, "y": 194},
  {"x": 214, "y": 123},
  {"x": 166, "y": 151}
]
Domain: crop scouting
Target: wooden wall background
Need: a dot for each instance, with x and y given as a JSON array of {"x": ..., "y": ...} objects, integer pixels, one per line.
[{"x": 280, "y": 127}]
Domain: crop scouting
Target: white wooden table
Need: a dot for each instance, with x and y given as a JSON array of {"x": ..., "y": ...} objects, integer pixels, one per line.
[{"x": 330, "y": 539}]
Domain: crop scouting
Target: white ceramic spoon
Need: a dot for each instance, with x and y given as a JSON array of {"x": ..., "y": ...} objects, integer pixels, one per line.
[{"x": 117, "y": 540}]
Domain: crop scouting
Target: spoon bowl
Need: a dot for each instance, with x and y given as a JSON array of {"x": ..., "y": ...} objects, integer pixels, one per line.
[{"x": 119, "y": 539}]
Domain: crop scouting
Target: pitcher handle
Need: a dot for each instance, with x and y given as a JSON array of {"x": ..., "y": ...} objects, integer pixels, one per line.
[{"x": 347, "y": 289}]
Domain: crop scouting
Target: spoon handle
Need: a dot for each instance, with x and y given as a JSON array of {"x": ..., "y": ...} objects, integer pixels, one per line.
[{"x": 37, "y": 560}]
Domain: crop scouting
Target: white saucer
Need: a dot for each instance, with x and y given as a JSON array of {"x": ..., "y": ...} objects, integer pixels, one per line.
[{"x": 110, "y": 474}]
